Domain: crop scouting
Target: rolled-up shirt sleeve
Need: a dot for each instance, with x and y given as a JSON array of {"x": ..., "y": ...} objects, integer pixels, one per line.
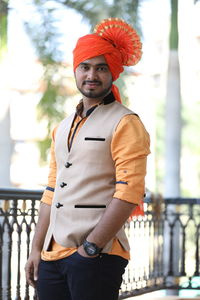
[
  {"x": 47, "y": 196},
  {"x": 130, "y": 147}
]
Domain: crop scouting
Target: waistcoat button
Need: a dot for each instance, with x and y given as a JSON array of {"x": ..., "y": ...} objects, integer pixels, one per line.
[
  {"x": 58, "y": 205},
  {"x": 67, "y": 165},
  {"x": 63, "y": 184}
]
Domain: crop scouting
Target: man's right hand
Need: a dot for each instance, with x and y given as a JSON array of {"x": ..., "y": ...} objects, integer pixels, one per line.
[{"x": 31, "y": 268}]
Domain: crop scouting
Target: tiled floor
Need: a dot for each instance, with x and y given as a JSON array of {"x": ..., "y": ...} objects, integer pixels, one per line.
[
  {"x": 162, "y": 298},
  {"x": 142, "y": 297}
]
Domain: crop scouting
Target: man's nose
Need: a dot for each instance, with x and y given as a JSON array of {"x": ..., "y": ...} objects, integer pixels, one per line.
[{"x": 92, "y": 74}]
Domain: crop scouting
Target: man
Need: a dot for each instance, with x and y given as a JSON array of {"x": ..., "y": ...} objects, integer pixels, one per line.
[{"x": 96, "y": 179}]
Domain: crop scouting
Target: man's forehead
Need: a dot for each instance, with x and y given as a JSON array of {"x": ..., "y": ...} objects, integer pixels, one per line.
[{"x": 95, "y": 60}]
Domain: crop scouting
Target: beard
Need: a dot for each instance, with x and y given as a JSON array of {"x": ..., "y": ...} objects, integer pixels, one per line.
[{"x": 92, "y": 93}]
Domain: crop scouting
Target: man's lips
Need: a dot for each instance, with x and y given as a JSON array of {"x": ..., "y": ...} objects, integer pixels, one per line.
[{"x": 92, "y": 84}]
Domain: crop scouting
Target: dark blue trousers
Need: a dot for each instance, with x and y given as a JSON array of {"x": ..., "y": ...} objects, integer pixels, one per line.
[{"x": 80, "y": 278}]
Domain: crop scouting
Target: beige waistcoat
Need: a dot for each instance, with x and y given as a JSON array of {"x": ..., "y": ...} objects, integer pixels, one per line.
[{"x": 85, "y": 188}]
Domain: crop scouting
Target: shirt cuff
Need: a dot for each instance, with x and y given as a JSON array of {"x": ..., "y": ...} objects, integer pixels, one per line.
[
  {"x": 135, "y": 199},
  {"x": 47, "y": 196}
]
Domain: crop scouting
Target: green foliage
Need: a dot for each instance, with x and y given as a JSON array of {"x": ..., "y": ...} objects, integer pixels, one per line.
[
  {"x": 95, "y": 11},
  {"x": 121, "y": 84},
  {"x": 174, "y": 25},
  {"x": 3, "y": 28},
  {"x": 51, "y": 105},
  {"x": 44, "y": 33},
  {"x": 173, "y": 39},
  {"x": 3, "y": 7},
  {"x": 159, "y": 145},
  {"x": 127, "y": 10},
  {"x": 92, "y": 11},
  {"x": 191, "y": 125},
  {"x": 44, "y": 147},
  {"x": 190, "y": 133},
  {"x": 45, "y": 38}
]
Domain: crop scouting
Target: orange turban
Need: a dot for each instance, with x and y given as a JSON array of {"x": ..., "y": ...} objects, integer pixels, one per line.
[{"x": 117, "y": 41}]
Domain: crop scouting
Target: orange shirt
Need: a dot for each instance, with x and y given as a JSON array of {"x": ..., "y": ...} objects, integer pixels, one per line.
[{"x": 129, "y": 148}]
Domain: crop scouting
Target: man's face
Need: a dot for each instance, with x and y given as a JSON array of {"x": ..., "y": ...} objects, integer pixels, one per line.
[{"x": 93, "y": 77}]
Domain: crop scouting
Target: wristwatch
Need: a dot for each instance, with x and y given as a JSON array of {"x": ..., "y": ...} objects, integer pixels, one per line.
[{"x": 91, "y": 248}]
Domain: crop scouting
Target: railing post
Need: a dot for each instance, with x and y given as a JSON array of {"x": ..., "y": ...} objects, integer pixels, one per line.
[
  {"x": 6, "y": 245},
  {"x": 171, "y": 253}
]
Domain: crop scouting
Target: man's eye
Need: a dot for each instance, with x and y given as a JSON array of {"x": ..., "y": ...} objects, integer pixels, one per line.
[
  {"x": 102, "y": 69},
  {"x": 84, "y": 68}
]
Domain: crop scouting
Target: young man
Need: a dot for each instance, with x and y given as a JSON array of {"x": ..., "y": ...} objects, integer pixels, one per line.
[{"x": 96, "y": 179}]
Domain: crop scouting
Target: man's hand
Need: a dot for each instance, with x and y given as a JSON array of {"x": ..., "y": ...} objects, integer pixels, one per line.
[
  {"x": 114, "y": 217},
  {"x": 31, "y": 268}
]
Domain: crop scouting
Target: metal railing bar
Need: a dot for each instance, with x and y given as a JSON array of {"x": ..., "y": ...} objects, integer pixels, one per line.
[
  {"x": 181, "y": 200},
  {"x": 23, "y": 194}
]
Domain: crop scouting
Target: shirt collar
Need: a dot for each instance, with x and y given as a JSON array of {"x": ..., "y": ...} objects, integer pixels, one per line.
[{"x": 107, "y": 100}]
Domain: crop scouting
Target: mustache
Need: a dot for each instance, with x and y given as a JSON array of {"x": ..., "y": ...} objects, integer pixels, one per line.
[{"x": 91, "y": 82}]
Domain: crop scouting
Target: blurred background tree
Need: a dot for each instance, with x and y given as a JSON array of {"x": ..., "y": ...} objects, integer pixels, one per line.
[
  {"x": 45, "y": 41},
  {"x": 173, "y": 111},
  {"x": 3, "y": 27},
  {"x": 57, "y": 84},
  {"x": 173, "y": 118},
  {"x": 5, "y": 143}
]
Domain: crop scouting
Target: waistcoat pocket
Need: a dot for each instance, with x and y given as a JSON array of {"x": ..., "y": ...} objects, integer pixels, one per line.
[
  {"x": 94, "y": 139},
  {"x": 89, "y": 206}
]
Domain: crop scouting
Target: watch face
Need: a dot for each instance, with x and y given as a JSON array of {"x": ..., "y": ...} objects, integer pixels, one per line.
[{"x": 91, "y": 250}]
